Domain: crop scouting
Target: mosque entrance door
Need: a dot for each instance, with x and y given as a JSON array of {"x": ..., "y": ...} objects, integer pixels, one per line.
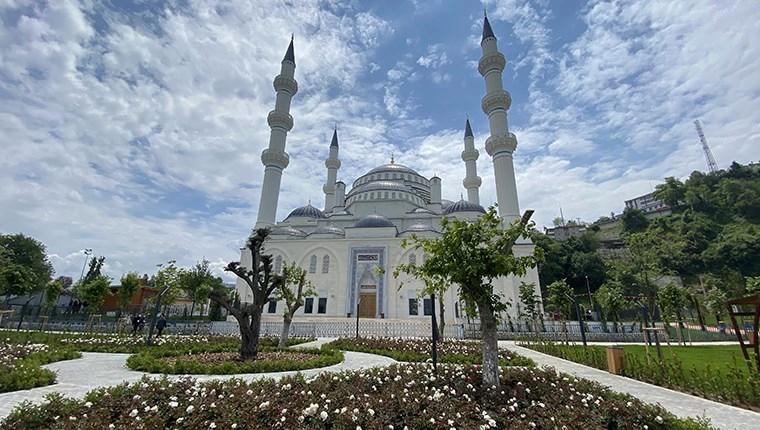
[{"x": 367, "y": 305}]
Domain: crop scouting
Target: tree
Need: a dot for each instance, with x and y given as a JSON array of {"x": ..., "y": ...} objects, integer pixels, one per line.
[
  {"x": 715, "y": 302},
  {"x": 672, "y": 300},
  {"x": 611, "y": 301},
  {"x": 473, "y": 255},
  {"x": 752, "y": 285},
  {"x": 197, "y": 283},
  {"x": 435, "y": 284},
  {"x": 261, "y": 281},
  {"x": 559, "y": 299},
  {"x": 634, "y": 221},
  {"x": 94, "y": 286},
  {"x": 672, "y": 192},
  {"x": 130, "y": 283},
  {"x": 53, "y": 290},
  {"x": 293, "y": 291},
  {"x": 531, "y": 302},
  {"x": 24, "y": 265},
  {"x": 168, "y": 279}
]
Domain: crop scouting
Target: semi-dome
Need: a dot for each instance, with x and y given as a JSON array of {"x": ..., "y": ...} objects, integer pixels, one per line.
[
  {"x": 421, "y": 228},
  {"x": 328, "y": 229},
  {"x": 463, "y": 206},
  {"x": 287, "y": 231},
  {"x": 307, "y": 211},
  {"x": 374, "y": 220}
]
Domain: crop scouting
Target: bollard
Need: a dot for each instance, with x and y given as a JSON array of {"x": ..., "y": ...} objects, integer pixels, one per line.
[{"x": 615, "y": 359}]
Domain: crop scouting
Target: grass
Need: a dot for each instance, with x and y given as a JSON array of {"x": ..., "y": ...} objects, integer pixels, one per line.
[{"x": 699, "y": 358}]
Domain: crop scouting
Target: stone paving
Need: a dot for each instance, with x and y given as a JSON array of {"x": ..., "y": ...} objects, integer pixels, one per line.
[{"x": 680, "y": 404}]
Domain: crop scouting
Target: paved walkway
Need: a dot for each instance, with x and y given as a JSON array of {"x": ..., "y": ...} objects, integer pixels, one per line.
[
  {"x": 95, "y": 370},
  {"x": 680, "y": 404}
]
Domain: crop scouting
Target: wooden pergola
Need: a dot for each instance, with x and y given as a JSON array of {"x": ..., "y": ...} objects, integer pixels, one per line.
[{"x": 746, "y": 307}]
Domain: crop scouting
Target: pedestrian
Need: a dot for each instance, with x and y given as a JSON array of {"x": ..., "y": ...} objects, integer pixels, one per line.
[
  {"x": 161, "y": 324},
  {"x": 141, "y": 322},
  {"x": 135, "y": 323}
]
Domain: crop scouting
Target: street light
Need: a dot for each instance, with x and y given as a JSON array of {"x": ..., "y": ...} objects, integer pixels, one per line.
[
  {"x": 580, "y": 317},
  {"x": 87, "y": 253}
]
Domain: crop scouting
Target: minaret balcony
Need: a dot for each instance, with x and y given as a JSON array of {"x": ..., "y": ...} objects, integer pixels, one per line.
[
  {"x": 472, "y": 182},
  {"x": 470, "y": 155},
  {"x": 492, "y": 61},
  {"x": 497, "y": 100},
  {"x": 332, "y": 163},
  {"x": 280, "y": 120},
  {"x": 501, "y": 143},
  {"x": 275, "y": 158},
  {"x": 287, "y": 84}
]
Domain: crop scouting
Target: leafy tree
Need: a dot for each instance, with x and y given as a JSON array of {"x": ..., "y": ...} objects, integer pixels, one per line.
[
  {"x": 472, "y": 255},
  {"x": 130, "y": 284},
  {"x": 672, "y": 192},
  {"x": 53, "y": 290},
  {"x": 559, "y": 298},
  {"x": 531, "y": 302},
  {"x": 197, "y": 283},
  {"x": 434, "y": 284},
  {"x": 24, "y": 266},
  {"x": 94, "y": 287},
  {"x": 715, "y": 302},
  {"x": 168, "y": 279},
  {"x": 571, "y": 260},
  {"x": 634, "y": 221},
  {"x": 293, "y": 291},
  {"x": 261, "y": 281},
  {"x": 672, "y": 300},
  {"x": 752, "y": 285},
  {"x": 611, "y": 301}
]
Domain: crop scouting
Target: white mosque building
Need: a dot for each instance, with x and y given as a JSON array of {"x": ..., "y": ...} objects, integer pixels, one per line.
[{"x": 351, "y": 247}]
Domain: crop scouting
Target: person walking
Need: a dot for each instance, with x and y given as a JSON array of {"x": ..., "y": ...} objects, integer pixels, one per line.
[{"x": 161, "y": 324}]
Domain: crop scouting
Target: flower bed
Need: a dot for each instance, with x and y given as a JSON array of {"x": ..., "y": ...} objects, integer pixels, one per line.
[
  {"x": 20, "y": 365},
  {"x": 124, "y": 343},
  {"x": 217, "y": 361},
  {"x": 397, "y": 397},
  {"x": 419, "y": 350},
  {"x": 732, "y": 385}
]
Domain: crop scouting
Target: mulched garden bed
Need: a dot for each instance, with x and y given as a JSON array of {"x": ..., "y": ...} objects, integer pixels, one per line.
[
  {"x": 224, "y": 357},
  {"x": 419, "y": 350},
  {"x": 402, "y": 396}
]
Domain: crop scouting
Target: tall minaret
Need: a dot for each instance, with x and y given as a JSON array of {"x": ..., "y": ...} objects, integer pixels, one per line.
[
  {"x": 501, "y": 144},
  {"x": 471, "y": 180},
  {"x": 333, "y": 164},
  {"x": 274, "y": 158}
]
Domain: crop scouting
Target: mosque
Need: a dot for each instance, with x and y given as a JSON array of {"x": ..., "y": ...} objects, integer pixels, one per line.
[{"x": 352, "y": 245}]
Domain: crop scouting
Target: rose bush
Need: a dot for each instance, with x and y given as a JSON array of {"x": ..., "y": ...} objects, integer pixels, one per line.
[
  {"x": 419, "y": 350},
  {"x": 398, "y": 397},
  {"x": 20, "y": 364}
]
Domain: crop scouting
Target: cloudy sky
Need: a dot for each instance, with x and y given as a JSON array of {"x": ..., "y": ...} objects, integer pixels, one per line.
[{"x": 137, "y": 130}]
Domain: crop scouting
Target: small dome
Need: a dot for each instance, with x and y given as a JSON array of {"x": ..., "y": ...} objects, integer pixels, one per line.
[
  {"x": 463, "y": 206},
  {"x": 287, "y": 231},
  {"x": 328, "y": 229},
  {"x": 446, "y": 203},
  {"x": 307, "y": 211},
  {"x": 421, "y": 227},
  {"x": 370, "y": 221}
]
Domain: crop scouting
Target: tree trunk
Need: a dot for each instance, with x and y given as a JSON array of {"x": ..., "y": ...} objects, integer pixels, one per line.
[
  {"x": 701, "y": 319},
  {"x": 441, "y": 321},
  {"x": 192, "y": 309},
  {"x": 287, "y": 319},
  {"x": 490, "y": 345},
  {"x": 249, "y": 333}
]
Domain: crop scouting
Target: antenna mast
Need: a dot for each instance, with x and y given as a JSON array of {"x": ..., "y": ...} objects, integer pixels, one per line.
[{"x": 711, "y": 164}]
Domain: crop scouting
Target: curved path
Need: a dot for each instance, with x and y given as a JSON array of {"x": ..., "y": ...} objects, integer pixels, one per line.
[{"x": 95, "y": 369}]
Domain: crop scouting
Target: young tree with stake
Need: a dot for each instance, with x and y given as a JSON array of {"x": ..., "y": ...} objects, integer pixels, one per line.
[{"x": 294, "y": 288}]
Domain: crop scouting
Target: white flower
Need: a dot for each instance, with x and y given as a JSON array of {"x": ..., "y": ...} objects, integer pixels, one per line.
[
  {"x": 212, "y": 425},
  {"x": 88, "y": 405},
  {"x": 190, "y": 409},
  {"x": 371, "y": 412},
  {"x": 323, "y": 415},
  {"x": 133, "y": 413},
  {"x": 234, "y": 425},
  {"x": 173, "y": 404},
  {"x": 658, "y": 419},
  {"x": 263, "y": 405}
]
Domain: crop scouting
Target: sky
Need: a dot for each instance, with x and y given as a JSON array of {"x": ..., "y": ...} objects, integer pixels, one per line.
[{"x": 136, "y": 128}]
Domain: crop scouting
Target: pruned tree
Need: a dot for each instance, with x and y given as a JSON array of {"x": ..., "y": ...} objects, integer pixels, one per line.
[
  {"x": 473, "y": 255},
  {"x": 261, "y": 281},
  {"x": 294, "y": 288}
]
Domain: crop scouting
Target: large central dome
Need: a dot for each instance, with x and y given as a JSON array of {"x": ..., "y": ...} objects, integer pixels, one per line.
[
  {"x": 391, "y": 182},
  {"x": 392, "y": 167}
]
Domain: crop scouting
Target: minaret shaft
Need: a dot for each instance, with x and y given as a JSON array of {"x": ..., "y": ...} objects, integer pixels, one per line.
[
  {"x": 274, "y": 158},
  {"x": 501, "y": 144},
  {"x": 333, "y": 164},
  {"x": 470, "y": 155}
]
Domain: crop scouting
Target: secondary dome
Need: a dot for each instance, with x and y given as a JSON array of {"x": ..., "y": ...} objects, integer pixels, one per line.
[
  {"x": 328, "y": 229},
  {"x": 463, "y": 206},
  {"x": 371, "y": 221},
  {"x": 287, "y": 231},
  {"x": 421, "y": 227},
  {"x": 307, "y": 211}
]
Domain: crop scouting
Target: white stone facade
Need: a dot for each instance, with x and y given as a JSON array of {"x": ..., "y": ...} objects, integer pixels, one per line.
[{"x": 351, "y": 248}]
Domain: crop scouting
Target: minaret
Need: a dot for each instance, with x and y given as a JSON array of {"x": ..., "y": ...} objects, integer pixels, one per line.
[
  {"x": 274, "y": 158},
  {"x": 471, "y": 180},
  {"x": 333, "y": 164},
  {"x": 501, "y": 144}
]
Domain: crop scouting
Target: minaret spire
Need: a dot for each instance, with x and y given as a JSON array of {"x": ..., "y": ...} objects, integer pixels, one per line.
[
  {"x": 471, "y": 180},
  {"x": 333, "y": 164},
  {"x": 501, "y": 143},
  {"x": 274, "y": 158}
]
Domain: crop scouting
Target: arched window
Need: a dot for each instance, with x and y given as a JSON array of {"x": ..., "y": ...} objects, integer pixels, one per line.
[
  {"x": 313, "y": 264},
  {"x": 412, "y": 259},
  {"x": 278, "y": 264},
  {"x": 326, "y": 264}
]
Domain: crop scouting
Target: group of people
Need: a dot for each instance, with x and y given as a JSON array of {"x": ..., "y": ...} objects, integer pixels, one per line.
[{"x": 138, "y": 323}]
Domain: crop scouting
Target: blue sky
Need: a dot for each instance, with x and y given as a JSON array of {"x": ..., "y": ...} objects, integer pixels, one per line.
[{"x": 137, "y": 130}]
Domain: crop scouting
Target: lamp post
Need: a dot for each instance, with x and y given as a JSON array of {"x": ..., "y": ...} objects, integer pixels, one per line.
[
  {"x": 588, "y": 288},
  {"x": 358, "y": 300},
  {"x": 87, "y": 253},
  {"x": 580, "y": 318},
  {"x": 435, "y": 333}
]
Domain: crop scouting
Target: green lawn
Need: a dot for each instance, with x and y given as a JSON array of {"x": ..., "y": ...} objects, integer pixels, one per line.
[{"x": 698, "y": 357}]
